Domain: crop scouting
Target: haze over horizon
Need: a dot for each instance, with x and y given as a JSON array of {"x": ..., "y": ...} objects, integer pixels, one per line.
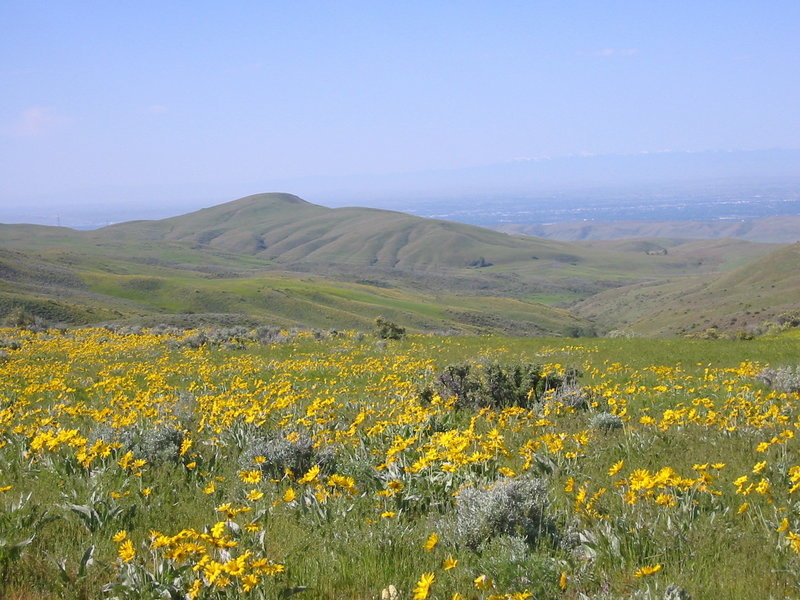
[{"x": 146, "y": 108}]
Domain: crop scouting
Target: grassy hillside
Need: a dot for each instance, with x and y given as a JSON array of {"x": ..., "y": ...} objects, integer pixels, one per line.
[
  {"x": 281, "y": 260},
  {"x": 283, "y": 229},
  {"x": 81, "y": 288},
  {"x": 739, "y": 299}
]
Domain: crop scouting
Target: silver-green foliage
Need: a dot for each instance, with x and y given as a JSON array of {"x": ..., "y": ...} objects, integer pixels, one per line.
[
  {"x": 280, "y": 454},
  {"x": 605, "y": 422},
  {"x": 514, "y": 507},
  {"x": 783, "y": 379}
]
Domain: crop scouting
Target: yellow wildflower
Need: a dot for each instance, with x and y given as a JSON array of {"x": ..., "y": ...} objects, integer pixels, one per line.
[
  {"x": 431, "y": 542},
  {"x": 312, "y": 474},
  {"x": 423, "y": 587},
  {"x": 250, "y": 476},
  {"x": 120, "y": 536},
  {"x": 126, "y": 551},
  {"x": 194, "y": 589},
  {"x": 249, "y": 581},
  {"x": 645, "y": 571}
]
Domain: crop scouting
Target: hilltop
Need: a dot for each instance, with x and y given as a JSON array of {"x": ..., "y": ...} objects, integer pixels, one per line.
[
  {"x": 275, "y": 258},
  {"x": 286, "y": 229}
]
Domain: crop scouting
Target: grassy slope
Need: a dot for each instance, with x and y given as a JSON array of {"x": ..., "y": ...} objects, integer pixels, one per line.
[
  {"x": 281, "y": 259},
  {"x": 750, "y": 294},
  {"x": 94, "y": 285},
  {"x": 287, "y": 230}
]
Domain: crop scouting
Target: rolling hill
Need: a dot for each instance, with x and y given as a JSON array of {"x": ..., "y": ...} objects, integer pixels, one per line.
[
  {"x": 739, "y": 299},
  {"x": 277, "y": 259}
]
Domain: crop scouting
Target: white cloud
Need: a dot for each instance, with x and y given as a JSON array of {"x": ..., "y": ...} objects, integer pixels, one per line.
[{"x": 36, "y": 121}]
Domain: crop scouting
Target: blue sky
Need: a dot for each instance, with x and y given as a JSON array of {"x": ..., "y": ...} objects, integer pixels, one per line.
[{"x": 224, "y": 96}]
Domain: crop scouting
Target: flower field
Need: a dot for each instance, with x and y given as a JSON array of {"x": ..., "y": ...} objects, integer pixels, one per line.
[{"x": 168, "y": 464}]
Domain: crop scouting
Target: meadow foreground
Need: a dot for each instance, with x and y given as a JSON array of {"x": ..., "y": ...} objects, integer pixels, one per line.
[{"x": 267, "y": 464}]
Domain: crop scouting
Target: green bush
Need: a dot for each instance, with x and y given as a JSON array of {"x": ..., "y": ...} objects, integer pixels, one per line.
[
  {"x": 499, "y": 386},
  {"x": 386, "y": 330}
]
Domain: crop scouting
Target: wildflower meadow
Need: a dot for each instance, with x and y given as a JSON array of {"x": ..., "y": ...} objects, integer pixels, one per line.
[{"x": 159, "y": 463}]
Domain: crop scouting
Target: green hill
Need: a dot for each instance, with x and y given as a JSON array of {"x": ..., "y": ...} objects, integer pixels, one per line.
[
  {"x": 284, "y": 228},
  {"x": 739, "y": 299},
  {"x": 278, "y": 259}
]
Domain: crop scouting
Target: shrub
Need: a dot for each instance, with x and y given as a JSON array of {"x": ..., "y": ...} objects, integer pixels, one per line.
[
  {"x": 673, "y": 592},
  {"x": 789, "y": 319},
  {"x": 783, "y": 379},
  {"x": 605, "y": 422},
  {"x": 386, "y": 330},
  {"x": 514, "y": 507},
  {"x": 573, "y": 395},
  {"x": 10, "y": 344},
  {"x": 500, "y": 386},
  {"x": 156, "y": 445},
  {"x": 24, "y": 319},
  {"x": 280, "y": 453}
]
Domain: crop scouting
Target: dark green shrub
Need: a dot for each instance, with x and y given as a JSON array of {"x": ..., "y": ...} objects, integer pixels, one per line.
[
  {"x": 386, "y": 330},
  {"x": 498, "y": 386}
]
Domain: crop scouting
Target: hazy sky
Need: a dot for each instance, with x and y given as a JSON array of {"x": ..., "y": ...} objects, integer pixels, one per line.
[{"x": 229, "y": 94}]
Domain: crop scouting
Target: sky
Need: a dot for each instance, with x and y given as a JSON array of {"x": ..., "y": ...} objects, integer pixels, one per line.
[{"x": 149, "y": 103}]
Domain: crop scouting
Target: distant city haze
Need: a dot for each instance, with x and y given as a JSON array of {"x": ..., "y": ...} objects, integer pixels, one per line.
[{"x": 119, "y": 111}]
